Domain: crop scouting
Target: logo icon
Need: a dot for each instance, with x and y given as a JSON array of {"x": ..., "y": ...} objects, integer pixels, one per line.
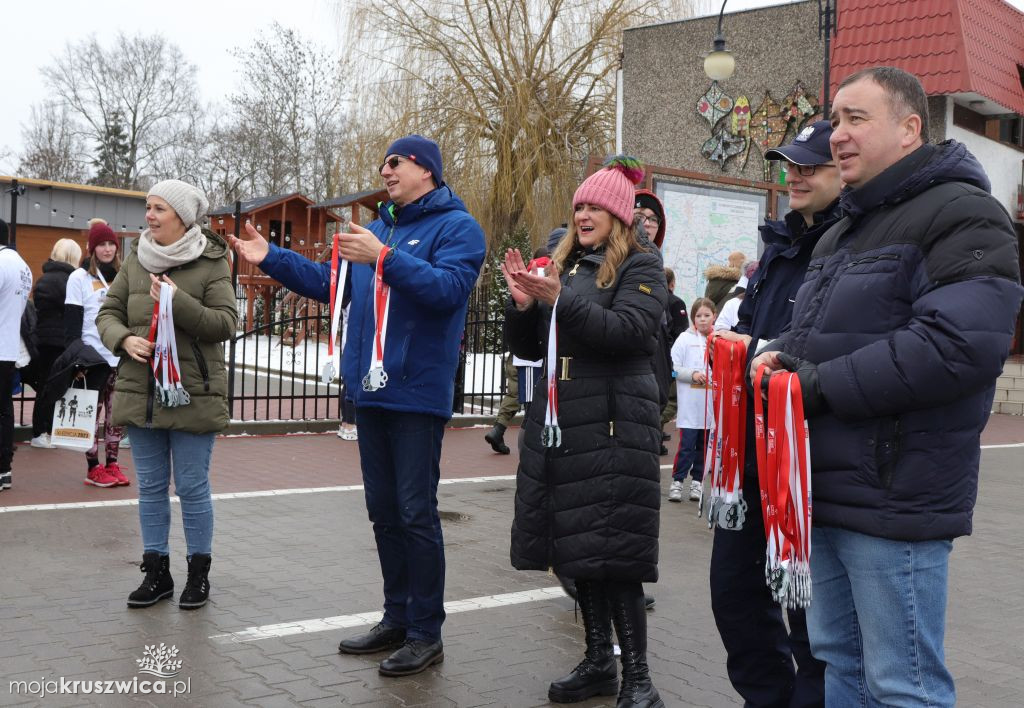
[
  {"x": 413, "y": 242},
  {"x": 159, "y": 661},
  {"x": 805, "y": 134}
]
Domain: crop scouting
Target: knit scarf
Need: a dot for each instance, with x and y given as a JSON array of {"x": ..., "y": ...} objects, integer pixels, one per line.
[{"x": 157, "y": 259}]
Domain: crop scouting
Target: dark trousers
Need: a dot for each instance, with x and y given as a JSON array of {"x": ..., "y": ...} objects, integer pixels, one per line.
[
  {"x": 6, "y": 415},
  {"x": 348, "y": 408},
  {"x": 690, "y": 456},
  {"x": 42, "y": 412},
  {"x": 400, "y": 455},
  {"x": 760, "y": 651}
]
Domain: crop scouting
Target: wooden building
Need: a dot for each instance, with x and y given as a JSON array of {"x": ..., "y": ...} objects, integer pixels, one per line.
[{"x": 48, "y": 211}]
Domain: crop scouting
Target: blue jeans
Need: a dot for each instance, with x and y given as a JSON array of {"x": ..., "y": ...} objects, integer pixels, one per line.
[
  {"x": 878, "y": 618},
  {"x": 156, "y": 453},
  {"x": 400, "y": 454},
  {"x": 690, "y": 457}
]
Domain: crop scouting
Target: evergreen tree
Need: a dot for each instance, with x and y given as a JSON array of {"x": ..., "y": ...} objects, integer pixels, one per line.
[{"x": 112, "y": 161}]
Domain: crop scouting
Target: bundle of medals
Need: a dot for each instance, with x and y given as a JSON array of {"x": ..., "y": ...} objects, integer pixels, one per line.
[
  {"x": 376, "y": 378},
  {"x": 726, "y": 439},
  {"x": 166, "y": 369},
  {"x": 783, "y": 470},
  {"x": 551, "y": 436},
  {"x": 339, "y": 271}
]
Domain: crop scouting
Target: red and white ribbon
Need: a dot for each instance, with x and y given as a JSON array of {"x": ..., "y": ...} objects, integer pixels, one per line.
[
  {"x": 166, "y": 367},
  {"x": 376, "y": 378},
  {"x": 339, "y": 272},
  {"x": 783, "y": 466},
  {"x": 726, "y": 439},
  {"x": 551, "y": 436}
]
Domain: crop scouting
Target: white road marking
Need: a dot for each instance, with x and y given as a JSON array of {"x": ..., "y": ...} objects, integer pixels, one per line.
[
  {"x": 236, "y": 495},
  {"x": 325, "y": 624}
]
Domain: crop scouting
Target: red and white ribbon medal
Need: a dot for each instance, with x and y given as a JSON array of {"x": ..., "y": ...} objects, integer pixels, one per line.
[
  {"x": 726, "y": 441},
  {"x": 784, "y": 463},
  {"x": 376, "y": 378},
  {"x": 551, "y": 436},
  {"x": 339, "y": 271},
  {"x": 166, "y": 367}
]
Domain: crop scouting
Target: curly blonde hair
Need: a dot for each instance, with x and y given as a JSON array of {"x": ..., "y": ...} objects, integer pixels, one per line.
[{"x": 621, "y": 242}]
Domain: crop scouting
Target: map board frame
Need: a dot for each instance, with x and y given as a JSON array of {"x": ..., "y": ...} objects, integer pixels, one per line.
[{"x": 704, "y": 224}]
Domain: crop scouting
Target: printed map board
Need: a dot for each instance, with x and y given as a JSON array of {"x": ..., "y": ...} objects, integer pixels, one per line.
[{"x": 703, "y": 226}]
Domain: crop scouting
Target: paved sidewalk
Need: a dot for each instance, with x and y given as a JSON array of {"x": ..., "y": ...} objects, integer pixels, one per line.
[{"x": 292, "y": 569}]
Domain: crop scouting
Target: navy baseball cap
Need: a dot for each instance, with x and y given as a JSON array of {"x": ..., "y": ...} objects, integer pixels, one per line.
[{"x": 810, "y": 147}]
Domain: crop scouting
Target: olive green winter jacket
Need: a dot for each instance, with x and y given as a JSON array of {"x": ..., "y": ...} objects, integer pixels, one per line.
[{"x": 205, "y": 315}]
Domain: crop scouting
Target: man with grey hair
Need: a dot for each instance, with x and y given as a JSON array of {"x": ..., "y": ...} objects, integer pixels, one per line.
[{"x": 898, "y": 334}]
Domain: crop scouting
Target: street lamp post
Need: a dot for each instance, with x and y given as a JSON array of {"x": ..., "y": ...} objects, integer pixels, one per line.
[{"x": 720, "y": 64}]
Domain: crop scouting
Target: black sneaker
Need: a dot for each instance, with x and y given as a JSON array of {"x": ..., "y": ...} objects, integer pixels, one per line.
[
  {"x": 157, "y": 584},
  {"x": 5, "y": 480}
]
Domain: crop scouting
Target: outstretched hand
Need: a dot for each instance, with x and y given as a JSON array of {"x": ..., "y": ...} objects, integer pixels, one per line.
[
  {"x": 514, "y": 264},
  {"x": 359, "y": 245},
  {"x": 251, "y": 246}
]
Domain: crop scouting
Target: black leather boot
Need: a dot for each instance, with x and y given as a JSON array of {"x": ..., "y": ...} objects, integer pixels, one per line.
[
  {"x": 630, "y": 619},
  {"x": 158, "y": 582},
  {"x": 496, "y": 437},
  {"x": 596, "y": 675},
  {"x": 197, "y": 587}
]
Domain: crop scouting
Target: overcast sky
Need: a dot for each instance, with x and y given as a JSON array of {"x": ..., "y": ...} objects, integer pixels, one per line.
[{"x": 35, "y": 32}]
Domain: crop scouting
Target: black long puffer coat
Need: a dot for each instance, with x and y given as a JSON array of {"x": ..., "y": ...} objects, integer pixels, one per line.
[{"x": 589, "y": 508}]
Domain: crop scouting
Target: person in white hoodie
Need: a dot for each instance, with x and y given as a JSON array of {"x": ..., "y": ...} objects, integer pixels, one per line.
[
  {"x": 695, "y": 414},
  {"x": 15, "y": 284}
]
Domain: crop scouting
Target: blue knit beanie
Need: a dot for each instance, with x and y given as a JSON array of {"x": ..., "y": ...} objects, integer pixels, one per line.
[{"x": 423, "y": 151}]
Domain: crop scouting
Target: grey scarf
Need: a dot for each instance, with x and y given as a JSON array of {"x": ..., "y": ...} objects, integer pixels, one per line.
[{"x": 157, "y": 259}]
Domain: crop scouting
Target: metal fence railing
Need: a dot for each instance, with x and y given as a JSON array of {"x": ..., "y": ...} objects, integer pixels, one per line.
[{"x": 274, "y": 367}]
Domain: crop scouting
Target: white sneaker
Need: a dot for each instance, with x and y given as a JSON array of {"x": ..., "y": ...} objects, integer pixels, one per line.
[
  {"x": 695, "y": 490},
  {"x": 675, "y": 491},
  {"x": 42, "y": 441},
  {"x": 348, "y": 433},
  {"x": 124, "y": 444}
]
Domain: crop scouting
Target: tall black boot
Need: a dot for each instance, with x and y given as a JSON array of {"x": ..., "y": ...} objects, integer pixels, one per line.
[
  {"x": 596, "y": 675},
  {"x": 496, "y": 437},
  {"x": 630, "y": 618},
  {"x": 158, "y": 582}
]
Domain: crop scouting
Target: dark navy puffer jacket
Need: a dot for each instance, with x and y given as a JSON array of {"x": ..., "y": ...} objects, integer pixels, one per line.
[
  {"x": 908, "y": 308},
  {"x": 589, "y": 508}
]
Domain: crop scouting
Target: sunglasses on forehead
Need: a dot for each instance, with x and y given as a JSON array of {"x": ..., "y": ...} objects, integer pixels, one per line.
[{"x": 392, "y": 162}]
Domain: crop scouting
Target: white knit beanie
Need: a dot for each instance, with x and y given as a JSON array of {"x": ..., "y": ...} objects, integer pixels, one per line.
[{"x": 188, "y": 202}]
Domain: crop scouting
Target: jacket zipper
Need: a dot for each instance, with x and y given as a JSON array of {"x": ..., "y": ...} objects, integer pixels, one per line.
[
  {"x": 873, "y": 259},
  {"x": 201, "y": 362},
  {"x": 150, "y": 397}
]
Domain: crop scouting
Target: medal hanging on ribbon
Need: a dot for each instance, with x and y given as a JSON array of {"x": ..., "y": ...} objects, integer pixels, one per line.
[
  {"x": 784, "y": 463},
  {"x": 551, "y": 436},
  {"x": 166, "y": 367},
  {"x": 376, "y": 378},
  {"x": 339, "y": 272},
  {"x": 726, "y": 440}
]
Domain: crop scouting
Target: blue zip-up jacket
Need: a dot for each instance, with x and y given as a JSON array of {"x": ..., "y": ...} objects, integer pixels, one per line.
[
  {"x": 908, "y": 309},
  {"x": 767, "y": 307},
  {"x": 437, "y": 252}
]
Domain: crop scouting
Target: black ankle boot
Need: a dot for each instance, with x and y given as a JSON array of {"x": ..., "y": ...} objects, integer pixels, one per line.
[
  {"x": 197, "y": 587},
  {"x": 496, "y": 437},
  {"x": 596, "y": 675},
  {"x": 630, "y": 619},
  {"x": 158, "y": 582}
]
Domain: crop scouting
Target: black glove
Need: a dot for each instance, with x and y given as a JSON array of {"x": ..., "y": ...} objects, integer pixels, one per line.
[{"x": 807, "y": 373}]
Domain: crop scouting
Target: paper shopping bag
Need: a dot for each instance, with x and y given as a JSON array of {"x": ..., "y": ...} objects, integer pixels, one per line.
[{"x": 74, "y": 419}]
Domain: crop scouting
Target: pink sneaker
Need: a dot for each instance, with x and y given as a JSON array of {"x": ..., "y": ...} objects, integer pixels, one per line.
[
  {"x": 114, "y": 470},
  {"x": 99, "y": 477}
]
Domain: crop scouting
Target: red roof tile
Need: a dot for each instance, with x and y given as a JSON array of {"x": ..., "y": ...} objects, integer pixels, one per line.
[{"x": 953, "y": 46}]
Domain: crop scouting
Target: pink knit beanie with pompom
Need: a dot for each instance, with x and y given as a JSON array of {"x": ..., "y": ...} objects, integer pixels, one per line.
[{"x": 612, "y": 187}]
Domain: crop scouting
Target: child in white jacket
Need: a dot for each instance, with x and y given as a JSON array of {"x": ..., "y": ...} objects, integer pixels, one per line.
[{"x": 695, "y": 415}]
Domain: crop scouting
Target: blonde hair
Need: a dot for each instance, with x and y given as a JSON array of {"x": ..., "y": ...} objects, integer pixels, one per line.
[
  {"x": 68, "y": 251},
  {"x": 621, "y": 242}
]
